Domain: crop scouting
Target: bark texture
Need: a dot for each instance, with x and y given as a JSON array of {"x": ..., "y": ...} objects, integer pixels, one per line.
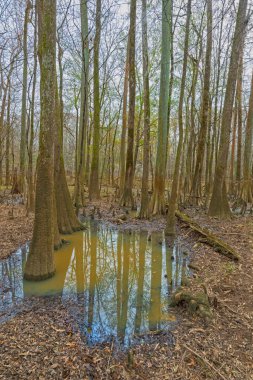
[
  {"x": 84, "y": 108},
  {"x": 94, "y": 191},
  {"x": 40, "y": 262},
  {"x": 158, "y": 201},
  {"x": 144, "y": 211},
  {"x": 127, "y": 196},
  {"x": 219, "y": 202},
  {"x": 171, "y": 221},
  {"x": 246, "y": 192},
  {"x": 196, "y": 183},
  {"x": 24, "y": 96}
]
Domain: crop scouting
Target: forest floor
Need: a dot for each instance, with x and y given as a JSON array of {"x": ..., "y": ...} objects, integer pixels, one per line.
[
  {"x": 15, "y": 225},
  {"x": 42, "y": 341}
]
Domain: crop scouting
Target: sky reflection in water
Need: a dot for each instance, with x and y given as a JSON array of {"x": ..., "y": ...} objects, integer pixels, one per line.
[{"x": 114, "y": 284}]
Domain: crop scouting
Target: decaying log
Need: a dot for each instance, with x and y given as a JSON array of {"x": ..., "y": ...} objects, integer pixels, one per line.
[
  {"x": 196, "y": 303},
  {"x": 209, "y": 238}
]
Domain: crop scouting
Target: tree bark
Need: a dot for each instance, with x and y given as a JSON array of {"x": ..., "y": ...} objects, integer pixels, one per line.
[
  {"x": 219, "y": 203},
  {"x": 94, "y": 191},
  {"x": 30, "y": 181},
  {"x": 158, "y": 201},
  {"x": 171, "y": 221},
  {"x": 24, "y": 96},
  {"x": 196, "y": 183},
  {"x": 124, "y": 126},
  {"x": 240, "y": 124},
  {"x": 127, "y": 195},
  {"x": 8, "y": 136},
  {"x": 40, "y": 262},
  {"x": 144, "y": 210},
  {"x": 66, "y": 218},
  {"x": 246, "y": 192},
  {"x": 84, "y": 108}
]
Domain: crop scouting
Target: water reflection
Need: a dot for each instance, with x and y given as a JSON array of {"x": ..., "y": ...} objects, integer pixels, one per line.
[{"x": 115, "y": 284}]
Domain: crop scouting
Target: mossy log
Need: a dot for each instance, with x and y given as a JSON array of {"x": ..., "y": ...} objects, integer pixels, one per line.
[
  {"x": 195, "y": 303},
  {"x": 209, "y": 238}
]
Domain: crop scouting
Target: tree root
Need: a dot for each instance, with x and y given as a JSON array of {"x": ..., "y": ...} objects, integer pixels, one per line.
[{"x": 209, "y": 238}]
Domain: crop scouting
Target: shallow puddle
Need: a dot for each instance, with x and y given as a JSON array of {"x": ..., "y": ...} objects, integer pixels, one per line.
[{"x": 115, "y": 284}]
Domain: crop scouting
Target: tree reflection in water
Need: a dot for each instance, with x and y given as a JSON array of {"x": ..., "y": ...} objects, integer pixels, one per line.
[{"x": 115, "y": 284}]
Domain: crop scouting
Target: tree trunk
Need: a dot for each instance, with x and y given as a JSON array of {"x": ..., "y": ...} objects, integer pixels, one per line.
[
  {"x": 240, "y": 123},
  {"x": 5, "y": 89},
  {"x": 94, "y": 192},
  {"x": 40, "y": 262},
  {"x": 232, "y": 157},
  {"x": 246, "y": 192},
  {"x": 171, "y": 220},
  {"x": 66, "y": 217},
  {"x": 138, "y": 136},
  {"x": 219, "y": 203},
  {"x": 24, "y": 96},
  {"x": 127, "y": 195},
  {"x": 190, "y": 149},
  {"x": 216, "y": 97},
  {"x": 158, "y": 201},
  {"x": 30, "y": 148},
  {"x": 124, "y": 126},
  {"x": 8, "y": 132},
  {"x": 196, "y": 183},
  {"x": 84, "y": 108},
  {"x": 144, "y": 211}
]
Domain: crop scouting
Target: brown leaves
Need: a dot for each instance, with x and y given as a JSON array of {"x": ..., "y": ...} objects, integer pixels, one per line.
[{"x": 15, "y": 231}]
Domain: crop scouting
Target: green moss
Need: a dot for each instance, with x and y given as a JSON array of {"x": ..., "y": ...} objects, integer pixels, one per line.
[{"x": 195, "y": 303}]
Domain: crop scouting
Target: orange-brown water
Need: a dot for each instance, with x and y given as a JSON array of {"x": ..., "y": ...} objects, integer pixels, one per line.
[{"x": 115, "y": 284}]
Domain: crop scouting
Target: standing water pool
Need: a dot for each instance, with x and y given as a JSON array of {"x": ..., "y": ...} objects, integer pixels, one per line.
[{"x": 115, "y": 284}]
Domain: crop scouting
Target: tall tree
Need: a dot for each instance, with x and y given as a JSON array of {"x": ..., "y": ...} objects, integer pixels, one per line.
[
  {"x": 170, "y": 227},
  {"x": 4, "y": 92},
  {"x": 246, "y": 191},
  {"x": 145, "y": 62},
  {"x": 213, "y": 157},
  {"x": 239, "y": 123},
  {"x": 158, "y": 201},
  {"x": 84, "y": 107},
  {"x": 8, "y": 140},
  {"x": 67, "y": 221},
  {"x": 219, "y": 202},
  {"x": 24, "y": 97},
  {"x": 127, "y": 195},
  {"x": 94, "y": 189},
  {"x": 124, "y": 126},
  {"x": 40, "y": 261},
  {"x": 190, "y": 154},
  {"x": 196, "y": 183},
  {"x": 30, "y": 200}
]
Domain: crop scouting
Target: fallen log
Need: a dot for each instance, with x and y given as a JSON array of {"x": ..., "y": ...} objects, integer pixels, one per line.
[
  {"x": 209, "y": 238},
  {"x": 196, "y": 303}
]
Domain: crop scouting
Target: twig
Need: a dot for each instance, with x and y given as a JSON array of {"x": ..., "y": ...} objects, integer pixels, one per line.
[
  {"x": 205, "y": 361},
  {"x": 107, "y": 368},
  {"x": 234, "y": 233}
]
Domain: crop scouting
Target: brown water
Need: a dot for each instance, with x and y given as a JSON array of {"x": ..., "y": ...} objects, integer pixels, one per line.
[{"x": 115, "y": 284}]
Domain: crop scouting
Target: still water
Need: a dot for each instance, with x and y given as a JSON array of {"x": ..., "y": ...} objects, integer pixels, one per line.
[{"x": 115, "y": 284}]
